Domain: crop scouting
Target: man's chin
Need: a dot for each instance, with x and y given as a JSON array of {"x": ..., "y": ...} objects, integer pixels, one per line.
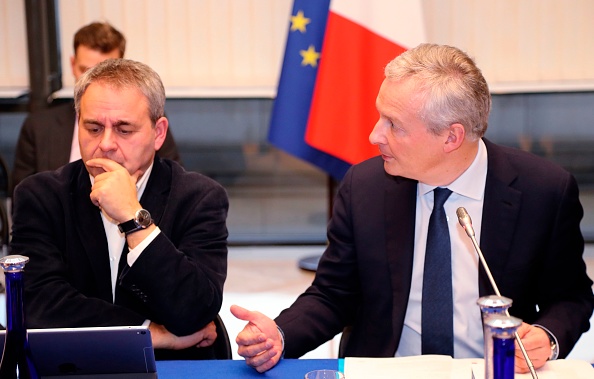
[{"x": 390, "y": 169}]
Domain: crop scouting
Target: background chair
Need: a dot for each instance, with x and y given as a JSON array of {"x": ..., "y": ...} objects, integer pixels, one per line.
[
  {"x": 222, "y": 345},
  {"x": 4, "y": 179},
  {"x": 4, "y": 228},
  {"x": 344, "y": 340},
  {"x": 4, "y": 200}
]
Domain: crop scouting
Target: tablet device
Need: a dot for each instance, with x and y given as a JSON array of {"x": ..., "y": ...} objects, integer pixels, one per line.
[{"x": 113, "y": 352}]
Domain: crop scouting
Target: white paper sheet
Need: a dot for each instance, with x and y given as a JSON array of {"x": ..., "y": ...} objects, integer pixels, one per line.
[
  {"x": 444, "y": 367},
  {"x": 559, "y": 369},
  {"x": 417, "y": 367}
]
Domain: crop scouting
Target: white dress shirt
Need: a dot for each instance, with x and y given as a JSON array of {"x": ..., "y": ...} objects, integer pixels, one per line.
[
  {"x": 74, "y": 146},
  {"x": 116, "y": 240},
  {"x": 468, "y": 192}
]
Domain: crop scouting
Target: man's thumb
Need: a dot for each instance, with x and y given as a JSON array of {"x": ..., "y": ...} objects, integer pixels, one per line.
[{"x": 242, "y": 313}]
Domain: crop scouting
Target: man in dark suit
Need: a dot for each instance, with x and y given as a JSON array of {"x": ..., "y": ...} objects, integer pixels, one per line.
[
  {"x": 123, "y": 237},
  {"x": 48, "y": 137},
  {"x": 433, "y": 110}
]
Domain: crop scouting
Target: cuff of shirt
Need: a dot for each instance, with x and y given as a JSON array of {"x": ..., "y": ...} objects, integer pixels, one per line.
[
  {"x": 282, "y": 335},
  {"x": 554, "y": 343},
  {"x": 133, "y": 254}
]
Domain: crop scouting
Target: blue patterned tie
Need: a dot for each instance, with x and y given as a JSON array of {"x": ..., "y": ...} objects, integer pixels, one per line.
[{"x": 437, "y": 314}]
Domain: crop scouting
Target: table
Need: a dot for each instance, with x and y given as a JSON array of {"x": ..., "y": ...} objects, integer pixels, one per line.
[{"x": 237, "y": 369}]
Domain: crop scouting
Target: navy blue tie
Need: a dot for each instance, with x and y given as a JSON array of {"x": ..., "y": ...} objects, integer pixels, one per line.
[{"x": 437, "y": 314}]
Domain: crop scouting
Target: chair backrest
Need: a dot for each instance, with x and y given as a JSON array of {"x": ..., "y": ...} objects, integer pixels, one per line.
[
  {"x": 344, "y": 340},
  {"x": 4, "y": 227},
  {"x": 222, "y": 345},
  {"x": 5, "y": 194},
  {"x": 4, "y": 179}
]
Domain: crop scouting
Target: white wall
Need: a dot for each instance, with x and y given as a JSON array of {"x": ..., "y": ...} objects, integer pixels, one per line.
[
  {"x": 14, "y": 70},
  {"x": 235, "y": 47}
]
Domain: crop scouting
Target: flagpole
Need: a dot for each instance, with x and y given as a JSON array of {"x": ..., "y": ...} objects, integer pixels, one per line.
[{"x": 310, "y": 263}]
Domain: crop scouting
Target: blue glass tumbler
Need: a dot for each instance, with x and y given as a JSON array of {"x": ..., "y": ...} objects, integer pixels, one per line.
[
  {"x": 491, "y": 305},
  {"x": 503, "y": 329},
  {"x": 17, "y": 361}
]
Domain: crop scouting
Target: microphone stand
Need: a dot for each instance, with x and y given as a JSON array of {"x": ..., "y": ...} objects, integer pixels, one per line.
[{"x": 466, "y": 222}]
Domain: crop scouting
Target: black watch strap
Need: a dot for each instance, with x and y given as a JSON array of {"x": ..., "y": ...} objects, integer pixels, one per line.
[
  {"x": 142, "y": 220},
  {"x": 129, "y": 227}
]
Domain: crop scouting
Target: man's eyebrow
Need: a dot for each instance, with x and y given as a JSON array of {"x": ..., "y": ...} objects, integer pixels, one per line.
[
  {"x": 92, "y": 121},
  {"x": 121, "y": 123}
]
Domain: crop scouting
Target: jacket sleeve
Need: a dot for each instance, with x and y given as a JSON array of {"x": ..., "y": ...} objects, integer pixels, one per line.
[{"x": 180, "y": 275}]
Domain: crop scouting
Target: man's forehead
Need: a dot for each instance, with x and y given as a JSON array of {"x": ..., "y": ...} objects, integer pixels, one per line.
[
  {"x": 100, "y": 84},
  {"x": 104, "y": 95}
]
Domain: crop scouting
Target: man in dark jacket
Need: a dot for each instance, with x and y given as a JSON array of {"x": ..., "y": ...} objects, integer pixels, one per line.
[
  {"x": 433, "y": 110},
  {"x": 123, "y": 237}
]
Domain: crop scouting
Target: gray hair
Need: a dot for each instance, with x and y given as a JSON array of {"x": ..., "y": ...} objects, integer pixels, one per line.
[
  {"x": 125, "y": 73},
  {"x": 452, "y": 87}
]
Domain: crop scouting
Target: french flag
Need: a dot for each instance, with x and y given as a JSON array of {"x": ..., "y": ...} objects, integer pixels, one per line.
[{"x": 332, "y": 70}]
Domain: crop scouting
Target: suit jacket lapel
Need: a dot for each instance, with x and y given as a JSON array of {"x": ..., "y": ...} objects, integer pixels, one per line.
[
  {"x": 154, "y": 198},
  {"x": 89, "y": 226},
  {"x": 501, "y": 208},
  {"x": 400, "y": 200}
]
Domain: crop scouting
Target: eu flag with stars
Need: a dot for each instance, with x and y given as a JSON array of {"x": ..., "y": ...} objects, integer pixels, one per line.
[{"x": 296, "y": 86}]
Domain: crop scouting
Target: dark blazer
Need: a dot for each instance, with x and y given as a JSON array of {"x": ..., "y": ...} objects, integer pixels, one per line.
[
  {"x": 46, "y": 138},
  {"x": 177, "y": 281},
  {"x": 530, "y": 237}
]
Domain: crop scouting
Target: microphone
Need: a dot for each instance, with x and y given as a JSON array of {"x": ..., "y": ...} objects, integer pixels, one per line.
[{"x": 466, "y": 223}]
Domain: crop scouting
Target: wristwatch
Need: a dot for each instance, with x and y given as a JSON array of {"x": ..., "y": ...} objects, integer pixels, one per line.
[
  {"x": 142, "y": 220},
  {"x": 554, "y": 348}
]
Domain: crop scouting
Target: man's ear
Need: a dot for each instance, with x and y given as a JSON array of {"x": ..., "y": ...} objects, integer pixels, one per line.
[
  {"x": 455, "y": 137},
  {"x": 72, "y": 62},
  {"x": 161, "y": 127}
]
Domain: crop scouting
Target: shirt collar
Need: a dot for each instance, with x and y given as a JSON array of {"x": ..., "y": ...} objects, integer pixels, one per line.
[{"x": 471, "y": 183}]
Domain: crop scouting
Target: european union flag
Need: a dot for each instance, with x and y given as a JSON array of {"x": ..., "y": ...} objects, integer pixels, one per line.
[{"x": 298, "y": 77}]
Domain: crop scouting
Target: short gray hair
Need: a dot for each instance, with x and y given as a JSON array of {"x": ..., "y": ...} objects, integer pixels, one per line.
[
  {"x": 125, "y": 73},
  {"x": 451, "y": 85}
]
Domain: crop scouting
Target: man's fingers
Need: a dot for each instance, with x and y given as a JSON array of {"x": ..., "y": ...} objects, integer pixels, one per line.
[
  {"x": 254, "y": 349},
  {"x": 523, "y": 329},
  {"x": 264, "y": 361},
  {"x": 104, "y": 163}
]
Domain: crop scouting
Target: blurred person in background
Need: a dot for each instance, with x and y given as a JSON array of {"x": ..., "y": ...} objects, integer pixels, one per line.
[{"x": 48, "y": 138}]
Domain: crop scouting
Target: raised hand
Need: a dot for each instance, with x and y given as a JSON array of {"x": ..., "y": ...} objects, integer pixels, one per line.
[
  {"x": 260, "y": 342},
  {"x": 114, "y": 190}
]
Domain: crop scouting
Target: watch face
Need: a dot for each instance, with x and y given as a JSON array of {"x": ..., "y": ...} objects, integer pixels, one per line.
[{"x": 143, "y": 218}]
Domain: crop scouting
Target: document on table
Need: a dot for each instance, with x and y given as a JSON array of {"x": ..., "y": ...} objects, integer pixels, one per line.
[
  {"x": 444, "y": 367},
  {"x": 417, "y": 367},
  {"x": 559, "y": 369}
]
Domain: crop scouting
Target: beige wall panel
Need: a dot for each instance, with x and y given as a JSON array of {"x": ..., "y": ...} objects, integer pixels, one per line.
[
  {"x": 520, "y": 45},
  {"x": 14, "y": 69},
  {"x": 235, "y": 47}
]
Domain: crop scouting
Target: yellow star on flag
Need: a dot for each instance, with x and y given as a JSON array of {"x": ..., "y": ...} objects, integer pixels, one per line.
[
  {"x": 299, "y": 22},
  {"x": 310, "y": 56}
]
